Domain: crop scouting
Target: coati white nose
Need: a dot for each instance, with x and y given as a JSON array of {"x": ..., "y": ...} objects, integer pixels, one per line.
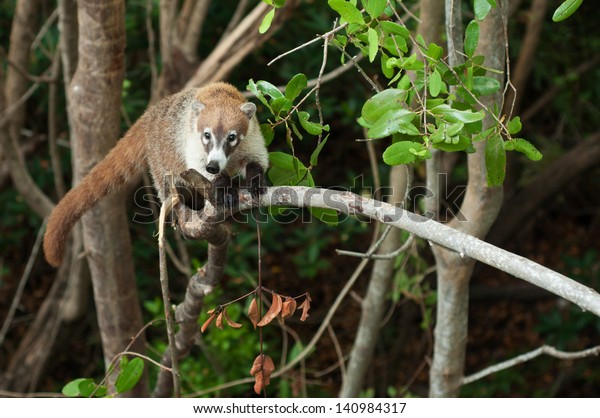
[{"x": 213, "y": 167}]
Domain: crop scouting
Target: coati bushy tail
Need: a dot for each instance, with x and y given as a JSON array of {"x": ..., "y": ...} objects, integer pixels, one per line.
[{"x": 124, "y": 161}]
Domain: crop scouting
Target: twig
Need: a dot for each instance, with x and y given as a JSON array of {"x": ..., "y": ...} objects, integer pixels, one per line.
[
  {"x": 387, "y": 256},
  {"x": 22, "y": 282},
  {"x": 338, "y": 351},
  {"x": 312, "y": 41},
  {"x": 545, "y": 349},
  {"x": 43, "y": 30},
  {"x": 165, "y": 209},
  {"x": 6, "y": 115}
]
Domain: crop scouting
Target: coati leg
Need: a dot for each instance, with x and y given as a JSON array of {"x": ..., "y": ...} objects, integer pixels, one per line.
[
  {"x": 255, "y": 180},
  {"x": 225, "y": 193}
]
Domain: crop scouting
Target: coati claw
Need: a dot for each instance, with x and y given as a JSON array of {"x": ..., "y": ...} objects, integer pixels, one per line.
[{"x": 255, "y": 180}]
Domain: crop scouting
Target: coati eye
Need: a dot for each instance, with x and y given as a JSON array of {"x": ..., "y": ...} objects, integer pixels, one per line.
[
  {"x": 207, "y": 135},
  {"x": 231, "y": 137}
]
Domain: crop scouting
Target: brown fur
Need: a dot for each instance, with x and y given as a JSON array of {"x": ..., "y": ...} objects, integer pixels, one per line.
[{"x": 157, "y": 138}]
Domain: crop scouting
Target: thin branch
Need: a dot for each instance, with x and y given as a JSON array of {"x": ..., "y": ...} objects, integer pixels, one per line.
[
  {"x": 386, "y": 256},
  {"x": 236, "y": 17},
  {"x": 164, "y": 284},
  {"x": 312, "y": 41},
  {"x": 338, "y": 351},
  {"x": 22, "y": 282},
  {"x": 545, "y": 349}
]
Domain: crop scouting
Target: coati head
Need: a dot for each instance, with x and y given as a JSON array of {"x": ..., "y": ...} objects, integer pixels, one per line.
[{"x": 221, "y": 127}]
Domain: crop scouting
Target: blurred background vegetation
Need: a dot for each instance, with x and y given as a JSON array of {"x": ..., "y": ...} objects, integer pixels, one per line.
[{"x": 507, "y": 317}]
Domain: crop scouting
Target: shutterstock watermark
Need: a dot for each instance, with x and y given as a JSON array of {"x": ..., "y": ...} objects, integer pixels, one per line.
[{"x": 289, "y": 204}]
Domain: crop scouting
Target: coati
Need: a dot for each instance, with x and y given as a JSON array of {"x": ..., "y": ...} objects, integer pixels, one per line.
[{"x": 212, "y": 129}]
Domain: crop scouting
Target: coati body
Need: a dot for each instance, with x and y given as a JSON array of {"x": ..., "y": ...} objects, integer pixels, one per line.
[{"x": 212, "y": 130}]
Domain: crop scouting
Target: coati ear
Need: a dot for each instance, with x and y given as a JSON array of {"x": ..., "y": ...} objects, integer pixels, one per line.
[
  {"x": 249, "y": 109},
  {"x": 197, "y": 106}
]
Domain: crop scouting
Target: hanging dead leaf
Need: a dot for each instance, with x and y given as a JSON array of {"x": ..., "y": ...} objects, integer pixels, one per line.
[
  {"x": 273, "y": 311},
  {"x": 289, "y": 306},
  {"x": 219, "y": 322},
  {"x": 208, "y": 322},
  {"x": 253, "y": 312},
  {"x": 262, "y": 369},
  {"x": 305, "y": 306},
  {"x": 230, "y": 321}
]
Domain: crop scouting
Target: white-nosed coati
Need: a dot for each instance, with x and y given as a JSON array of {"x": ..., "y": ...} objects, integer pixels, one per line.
[{"x": 212, "y": 129}]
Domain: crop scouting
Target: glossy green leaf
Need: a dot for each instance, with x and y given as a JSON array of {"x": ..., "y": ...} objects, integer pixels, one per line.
[
  {"x": 281, "y": 104},
  {"x": 383, "y": 101},
  {"x": 495, "y": 160},
  {"x": 71, "y": 389},
  {"x": 266, "y": 22},
  {"x": 434, "y": 51},
  {"x": 471, "y": 38},
  {"x": 311, "y": 127},
  {"x": 375, "y": 8},
  {"x": 253, "y": 88},
  {"x": 295, "y": 86},
  {"x": 435, "y": 83},
  {"x": 396, "y": 45},
  {"x": 287, "y": 170},
  {"x": 314, "y": 157},
  {"x": 373, "y": 41},
  {"x": 566, "y": 9},
  {"x": 325, "y": 215},
  {"x": 482, "y": 8},
  {"x": 388, "y": 72},
  {"x": 483, "y": 85},
  {"x": 347, "y": 11},
  {"x": 400, "y": 152},
  {"x": 460, "y": 143},
  {"x": 268, "y": 133},
  {"x": 394, "y": 121},
  {"x": 129, "y": 375},
  {"x": 392, "y": 28},
  {"x": 514, "y": 125},
  {"x": 524, "y": 147},
  {"x": 454, "y": 115},
  {"x": 269, "y": 89}
]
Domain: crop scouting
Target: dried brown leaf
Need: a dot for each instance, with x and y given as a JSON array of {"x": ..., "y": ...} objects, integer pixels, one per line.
[
  {"x": 253, "y": 312},
  {"x": 273, "y": 311},
  {"x": 305, "y": 306},
  {"x": 208, "y": 322},
  {"x": 262, "y": 369},
  {"x": 289, "y": 306},
  {"x": 219, "y": 322},
  {"x": 230, "y": 321}
]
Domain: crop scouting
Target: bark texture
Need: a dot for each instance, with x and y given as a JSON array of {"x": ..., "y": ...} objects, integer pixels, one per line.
[{"x": 94, "y": 103}]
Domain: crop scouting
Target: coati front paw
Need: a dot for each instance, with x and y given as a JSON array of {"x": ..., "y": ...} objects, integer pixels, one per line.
[
  {"x": 225, "y": 194},
  {"x": 255, "y": 180}
]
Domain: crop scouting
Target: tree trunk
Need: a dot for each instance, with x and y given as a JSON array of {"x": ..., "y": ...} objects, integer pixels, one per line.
[
  {"x": 94, "y": 108},
  {"x": 480, "y": 207},
  {"x": 374, "y": 302}
]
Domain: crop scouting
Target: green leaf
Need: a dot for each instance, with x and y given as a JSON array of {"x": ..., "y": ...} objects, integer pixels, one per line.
[
  {"x": 71, "y": 389},
  {"x": 287, "y": 170},
  {"x": 471, "y": 38},
  {"x": 483, "y": 85},
  {"x": 269, "y": 89},
  {"x": 394, "y": 121},
  {"x": 310, "y": 127},
  {"x": 434, "y": 51},
  {"x": 454, "y": 129},
  {"x": 314, "y": 157},
  {"x": 383, "y": 101},
  {"x": 281, "y": 104},
  {"x": 435, "y": 83},
  {"x": 460, "y": 143},
  {"x": 400, "y": 152},
  {"x": 495, "y": 160},
  {"x": 395, "y": 45},
  {"x": 266, "y": 22},
  {"x": 392, "y": 28},
  {"x": 482, "y": 8},
  {"x": 454, "y": 115},
  {"x": 375, "y": 8},
  {"x": 325, "y": 215},
  {"x": 373, "y": 44},
  {"x": 514, "y": 125},
  {"x": 388, "y": 72},
  {"x": 566, "y": 9},
  {"x": 524, "y": 147},
  {"x": 87, "y": 388},
  {"x": 129, "y": 375},
  {"x": 253, "y": 88},
  {"x": 295, "y": 86},
  {"x": 347, "y": 11},
  {"x": 267, "y": 131}
]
